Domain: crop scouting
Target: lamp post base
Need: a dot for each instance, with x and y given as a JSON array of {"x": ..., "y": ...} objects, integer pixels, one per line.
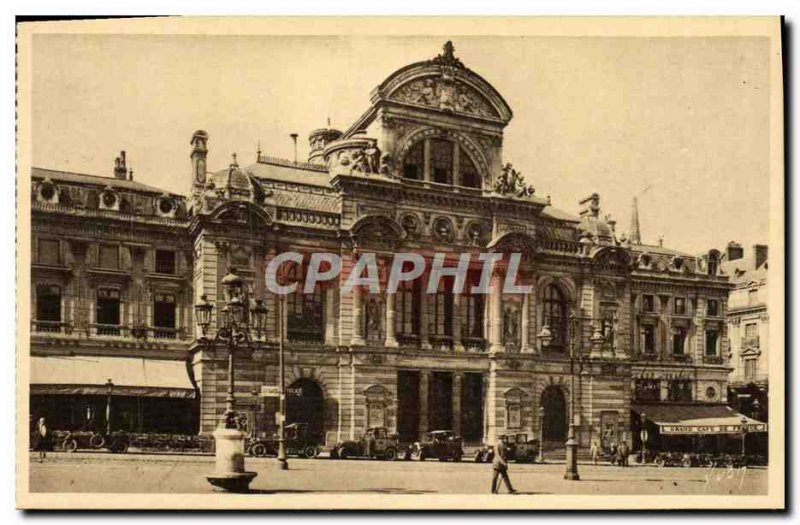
[
  {"x": 229, "y": 474},
  {"x": 572, "y": 456}
]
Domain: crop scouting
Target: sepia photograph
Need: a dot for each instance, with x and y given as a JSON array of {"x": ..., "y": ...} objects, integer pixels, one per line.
[{"x": 397, "y": 263}]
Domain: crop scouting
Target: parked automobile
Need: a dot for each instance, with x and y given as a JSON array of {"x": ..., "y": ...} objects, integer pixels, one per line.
[
  {"x": 298, "y": 442},
  {"x": 439, "y": 444},
  {"x": 520, "y": 449},
  {"x": 116, "y": 442},
  {"x": 375, "y": 443}
]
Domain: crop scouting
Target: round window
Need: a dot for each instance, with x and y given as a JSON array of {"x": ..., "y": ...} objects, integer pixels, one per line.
[
  {"x": 711, "y": 393},
  {"x": 48, "y": 191},
  {"x": 109, "y": 199},
  {"x": 165, "y": 205}
]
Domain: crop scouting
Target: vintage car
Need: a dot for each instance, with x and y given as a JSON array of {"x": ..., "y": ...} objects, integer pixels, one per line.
[
  {"x": 438, "y": 444},
  {"x": 298, "y": 442},
  {"x": 116, "y": 442},
  {"x": 375, "y": 443},
  {"x": 520, "y": 449}
]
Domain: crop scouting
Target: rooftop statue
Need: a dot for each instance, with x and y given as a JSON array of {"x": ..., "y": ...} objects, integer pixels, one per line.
[{"x": 510, "y": 182}]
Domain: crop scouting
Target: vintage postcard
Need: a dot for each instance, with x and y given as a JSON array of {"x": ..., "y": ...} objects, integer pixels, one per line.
[{"x": 390, "y": 263}]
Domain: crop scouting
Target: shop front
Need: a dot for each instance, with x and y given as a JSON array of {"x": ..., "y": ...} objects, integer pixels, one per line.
[
  {"x": 96, "y": 394},
  {"x": 693, "y": 428}
]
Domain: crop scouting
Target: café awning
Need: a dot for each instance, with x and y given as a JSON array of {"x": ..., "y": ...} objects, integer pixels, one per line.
[
  {"x": 131, "y": 376},
  {"x": 697, "y": 419}
]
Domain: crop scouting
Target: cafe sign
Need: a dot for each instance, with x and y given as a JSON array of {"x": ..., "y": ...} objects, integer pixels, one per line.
[{"x": 711, "y": 429}]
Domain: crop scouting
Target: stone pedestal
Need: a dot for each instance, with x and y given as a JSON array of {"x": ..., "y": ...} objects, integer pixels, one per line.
[{"x": 229, "y": 473}]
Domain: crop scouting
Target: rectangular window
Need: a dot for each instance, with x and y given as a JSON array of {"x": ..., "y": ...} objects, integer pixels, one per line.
[
  {"x": 712, "y": 308},
  {"x": 109, "y": 256},
  {"x": 164, "y": 314},
  {"x": 752, "y": 296},
  {"x": 443, "y": 308},
  {"x": 48, "y": 308},
  {"x": 678, "y": 340},
  {"x": 712, "y": 338},
  {"x": 49, "y": 252},
  {"x": 680, "y": 306},
  {"x": 165, "y": 261},
  {"x": 750, "y": 369},
  {"x": 679, "y": 390},
  {"x": 751, "y": 330},
  {"x": 407, "y": 305},
  {"x": 649, "y": 339},
  {"x": 108, "y": 311},
  {"x": 648, "y": 303},
  {"x": 647, "y": 390},
  {"x": 474, "y": 321},
  {"x": 441, "y": 161}
]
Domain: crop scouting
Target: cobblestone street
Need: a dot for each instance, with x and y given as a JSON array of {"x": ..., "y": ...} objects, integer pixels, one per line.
[{"x": 135, "y": 473}]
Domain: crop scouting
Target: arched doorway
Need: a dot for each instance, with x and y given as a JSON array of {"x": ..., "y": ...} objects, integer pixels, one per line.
[
  {"x": 555, "y": 415},
  {"x": 304, "y": 404}
]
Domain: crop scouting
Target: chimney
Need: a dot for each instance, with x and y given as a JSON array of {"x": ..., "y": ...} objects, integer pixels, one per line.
[
  {"x": 199, "y": 154},
  {"x": 760, "y": 252},
  {"x": 590, "y": 206},
  {"x": 120, "y": 170},
  {"x": 734, "y": 251}
]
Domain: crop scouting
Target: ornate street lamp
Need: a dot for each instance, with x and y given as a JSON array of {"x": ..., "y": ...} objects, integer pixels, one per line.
[
  {"x": 233, "y": 330},
  {"x": 572, "y": 444},
  {"x": 545, "y": 337}
]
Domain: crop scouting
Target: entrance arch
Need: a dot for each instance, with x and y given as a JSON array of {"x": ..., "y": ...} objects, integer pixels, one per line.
[
  {"x": 304, "y": 404},
  {"x": 554, "y": 419}
]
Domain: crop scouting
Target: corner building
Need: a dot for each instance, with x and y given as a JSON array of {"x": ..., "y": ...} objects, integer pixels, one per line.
[{"x": 422, "y": 171}]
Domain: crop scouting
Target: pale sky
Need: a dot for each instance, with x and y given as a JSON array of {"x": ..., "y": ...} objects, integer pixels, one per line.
[{"x": 686, "y": 119}]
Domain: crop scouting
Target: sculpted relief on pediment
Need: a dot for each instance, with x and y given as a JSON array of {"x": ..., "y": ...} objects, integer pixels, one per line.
[{"x": 445, "y": 95}]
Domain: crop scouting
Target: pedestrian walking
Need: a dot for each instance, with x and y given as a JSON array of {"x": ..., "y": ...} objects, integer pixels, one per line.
[
  {"x": 42, "y": 439},
  {"x": 594, "y": 450},
  {"x": 500, "y": 467}
]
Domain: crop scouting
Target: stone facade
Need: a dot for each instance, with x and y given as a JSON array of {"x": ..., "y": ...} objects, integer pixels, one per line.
[{"x": 422, "y": 171}]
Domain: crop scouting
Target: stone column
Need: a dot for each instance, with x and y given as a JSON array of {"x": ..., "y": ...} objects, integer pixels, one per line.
[
  {"x": 526, "y": 315},
  {"x": 330, "y": 316},
  {"x": 496, "y": 311},
  {"x": 457, "y": 380},
  {"x": 391, "y": 337},
  {"x": 457, "y": 322},
  {"x": 456, "y": 164},
  {"x": 424, "y": 380},
  {"x": 358, "y": 318}
]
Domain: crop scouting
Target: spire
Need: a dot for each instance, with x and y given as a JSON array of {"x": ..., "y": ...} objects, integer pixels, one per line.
[{"x": 635, "y": 236}]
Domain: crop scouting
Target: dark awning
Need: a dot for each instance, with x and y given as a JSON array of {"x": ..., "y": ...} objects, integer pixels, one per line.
[
  {"x": 696, "y": 419},
  {"x": 132, "y": 376}
]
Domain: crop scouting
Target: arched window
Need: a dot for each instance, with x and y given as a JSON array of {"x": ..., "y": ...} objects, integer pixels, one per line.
[
  {"x": 448, "y": 163},
  {"x": 413, "y": 164},
  {"x": 555, "y": 315}
]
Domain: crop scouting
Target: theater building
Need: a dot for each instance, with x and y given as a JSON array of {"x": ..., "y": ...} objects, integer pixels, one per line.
[{"x": 422, "y": 170}]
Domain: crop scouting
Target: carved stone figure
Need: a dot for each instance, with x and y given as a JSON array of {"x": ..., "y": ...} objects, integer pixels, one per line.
[
  {"x": 373, "y": 156},
  {"x": 474, "y": 234},
  {"x": 443, "y": 230},
  {"x": 410, "y": 224},
  {"x": 510, "y": 182}
]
